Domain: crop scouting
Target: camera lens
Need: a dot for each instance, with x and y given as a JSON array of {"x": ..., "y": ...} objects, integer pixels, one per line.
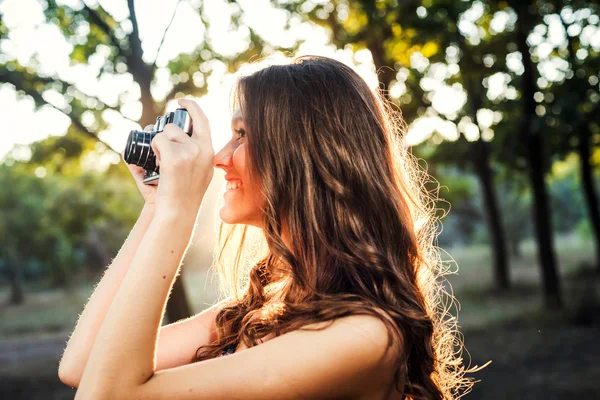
[{"x": 138, "y": 150}]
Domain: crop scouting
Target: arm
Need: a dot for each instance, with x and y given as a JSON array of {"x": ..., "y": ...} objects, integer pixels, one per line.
[
  {"x": 349, "y": 358},
  {"x": 82, "y": 339},
  {"x": 177, "y": 342},
  {"x": 80, "y": 343},
  {"x": 129, "y": 332}
]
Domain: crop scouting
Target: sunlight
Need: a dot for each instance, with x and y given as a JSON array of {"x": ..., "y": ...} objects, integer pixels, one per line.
[{"x": 31, "y": 38}]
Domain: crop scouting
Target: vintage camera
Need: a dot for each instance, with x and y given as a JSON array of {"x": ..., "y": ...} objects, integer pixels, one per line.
[{"x": 138, "y": 150}]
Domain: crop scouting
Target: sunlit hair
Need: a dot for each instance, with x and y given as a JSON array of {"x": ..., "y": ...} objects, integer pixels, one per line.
[{"x": 329, "y": 157}]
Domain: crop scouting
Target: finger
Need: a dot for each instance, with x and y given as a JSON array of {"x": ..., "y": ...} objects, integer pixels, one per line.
[
  {"x": 135, "y": 168},
  {"x": 160, "y": 145},
  {"x": 136, "y": 172},
  {"x": 149, "y": 127},
  {"x": 201, "y": 128},
  {"x": 175, "y": 133}
]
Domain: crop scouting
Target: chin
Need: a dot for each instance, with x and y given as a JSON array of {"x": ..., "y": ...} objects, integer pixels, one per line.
[
  {"x": 231, "y": 218},
  {"x": 227, "y": 217},
  {"x": 234, "y": 214}
]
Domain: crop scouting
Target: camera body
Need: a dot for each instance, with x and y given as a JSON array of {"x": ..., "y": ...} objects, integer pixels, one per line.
[{"x": 138, "y": 150}]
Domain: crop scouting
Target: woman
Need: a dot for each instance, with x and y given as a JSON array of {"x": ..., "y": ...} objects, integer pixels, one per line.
[{"x": 344, "y": 302}]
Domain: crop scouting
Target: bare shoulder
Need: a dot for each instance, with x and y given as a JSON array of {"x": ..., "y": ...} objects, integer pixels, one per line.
[
  {"x": 366, "y": 334},
  {"x": 348, "y": 357},
  {"x": 357, "y": 346}
]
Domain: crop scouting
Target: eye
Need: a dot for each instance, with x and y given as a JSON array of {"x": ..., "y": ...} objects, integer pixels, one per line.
[{"x": 240, "y": 132}]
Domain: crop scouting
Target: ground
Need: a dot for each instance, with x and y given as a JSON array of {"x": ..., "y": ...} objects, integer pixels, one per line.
[
  {"x": 535, "y": 353},
  {"x": 527, "y": 363}
]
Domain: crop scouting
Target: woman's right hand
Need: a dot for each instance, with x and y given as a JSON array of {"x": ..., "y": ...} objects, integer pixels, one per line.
[{"x": 148, "y": 191}]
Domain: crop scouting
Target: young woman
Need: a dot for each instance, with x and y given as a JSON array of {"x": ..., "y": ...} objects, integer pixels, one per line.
[{"x": 344, "y": 303}]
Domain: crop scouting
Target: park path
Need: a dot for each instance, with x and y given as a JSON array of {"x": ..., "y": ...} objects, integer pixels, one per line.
[{"x": 18, "y": 351}]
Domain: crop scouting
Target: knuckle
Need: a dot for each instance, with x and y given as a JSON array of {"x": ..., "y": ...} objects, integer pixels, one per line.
[
  {"x": 187, "y": 156},
  {"x": 157, "y": 142},
  {"x": 169, "y": 131},
  {"x": 179, "y": 162},
  {"x": 194, "y": 150}
]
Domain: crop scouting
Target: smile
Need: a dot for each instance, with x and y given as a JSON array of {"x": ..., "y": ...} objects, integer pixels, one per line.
[{"x": 233, "y": 185}]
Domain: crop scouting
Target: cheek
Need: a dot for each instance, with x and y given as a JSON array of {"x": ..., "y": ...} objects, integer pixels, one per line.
[{"x": 239, "y": 161}]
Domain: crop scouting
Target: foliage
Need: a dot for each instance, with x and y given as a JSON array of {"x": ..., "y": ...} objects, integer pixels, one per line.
[
  {"x": 62, "y": 223},
  {"x": 113, "y": 48},
  {"x": 76, "y": 218},
  {"x": 61, "y": 216}
]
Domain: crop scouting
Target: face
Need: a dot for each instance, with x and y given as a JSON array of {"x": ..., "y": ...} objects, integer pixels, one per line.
[{"x": 241, "y": 204}]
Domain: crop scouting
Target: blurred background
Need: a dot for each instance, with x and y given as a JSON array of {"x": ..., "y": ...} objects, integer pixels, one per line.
[{"x": 501, "y": 101}]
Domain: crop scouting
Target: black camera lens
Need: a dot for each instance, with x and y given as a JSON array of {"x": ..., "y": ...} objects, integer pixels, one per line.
[{"x": 138, "y": 150}]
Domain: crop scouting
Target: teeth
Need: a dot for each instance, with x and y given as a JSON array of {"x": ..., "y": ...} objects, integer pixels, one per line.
[{"x": 232, "y": 185}]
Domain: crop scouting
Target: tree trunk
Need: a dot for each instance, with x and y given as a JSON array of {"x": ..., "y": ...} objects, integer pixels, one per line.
[
  {"x": 534, "y": 148},
  {"x": 385, "y": 73},
  {"x": 15, "y": 276},
  {"x": 543, "y": 225},
  {"x": 587, "y": 180},
  {"x": 483, "y": 171},
  {"x": 480, "y": 155},
  {"x": 515, "y": 247},
  {"x": 583, "y": 148}
]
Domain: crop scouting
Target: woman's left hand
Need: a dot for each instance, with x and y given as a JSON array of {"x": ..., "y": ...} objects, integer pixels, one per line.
[{"x": 186, "y": 164}]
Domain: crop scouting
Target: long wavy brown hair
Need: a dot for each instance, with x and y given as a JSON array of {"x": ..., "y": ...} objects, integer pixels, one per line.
[{"x": 335, "y": 174}]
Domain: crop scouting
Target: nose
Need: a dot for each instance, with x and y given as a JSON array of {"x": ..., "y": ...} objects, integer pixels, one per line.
[{"x": 223, "y": 158}]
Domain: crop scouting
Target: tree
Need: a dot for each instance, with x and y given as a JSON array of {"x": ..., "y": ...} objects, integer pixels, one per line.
[
  {"x": 118, "y": 44},
  {"x": 578, "y": 101},
  {"x": 473, "y": 71},
  {"x": 393, "y": 31},
  {"x": 56, "y": 220},
  {"x": 533, "y": 143}
]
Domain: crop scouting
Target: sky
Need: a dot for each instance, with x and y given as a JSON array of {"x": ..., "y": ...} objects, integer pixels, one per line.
[{"x": 31, "y": 36}]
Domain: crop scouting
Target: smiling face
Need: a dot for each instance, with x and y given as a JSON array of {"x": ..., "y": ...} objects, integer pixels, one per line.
[{"x": 242, "y": 199}]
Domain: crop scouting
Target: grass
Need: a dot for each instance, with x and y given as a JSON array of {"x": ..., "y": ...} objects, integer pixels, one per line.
[
  {"x": 474, "y": 262},
  {"x": 50, "y": 311},
  {"x": 480, "y": 304},
  {"x": 44, "y": 311}
]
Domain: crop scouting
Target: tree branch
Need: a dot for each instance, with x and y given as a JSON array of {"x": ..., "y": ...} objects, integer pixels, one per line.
[
  {"x": 142, "y": 72},
  {"x": 34, "y": 79},
  {"x": 183, "y": 87},
  {"x": 97, "y": 20},
  {"x": 162, "y": 40},
  {"x": 134, "y": 38},
  {"x": 17, "y": 80}
]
